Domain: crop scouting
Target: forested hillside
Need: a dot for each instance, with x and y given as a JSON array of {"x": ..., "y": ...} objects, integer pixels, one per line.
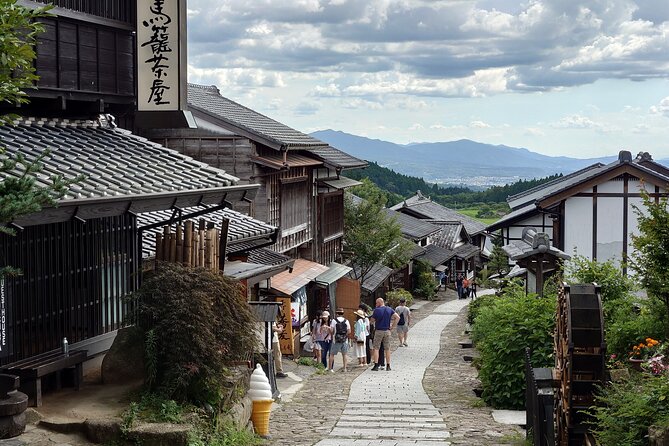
[{"x": 400, "y": 186}]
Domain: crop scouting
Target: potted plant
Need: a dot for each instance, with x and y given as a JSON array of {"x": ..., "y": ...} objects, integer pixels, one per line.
[{"x": 643, "y": 352}]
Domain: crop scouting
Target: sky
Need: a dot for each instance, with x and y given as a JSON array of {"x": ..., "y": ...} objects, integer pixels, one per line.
[{"x": 559, "y": 77}]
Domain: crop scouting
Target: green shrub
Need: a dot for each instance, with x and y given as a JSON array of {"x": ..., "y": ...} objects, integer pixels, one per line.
[
  {"x": 425, "y": 281},
  {"x": 196, "y": 323},
  {"x": 476, "y": 305},
  {"x": 625, "y": 410},
  {"x": 393, "y": 297},
  {"x": 628, "y": 327},
  {"x": 502, "y": 331}
]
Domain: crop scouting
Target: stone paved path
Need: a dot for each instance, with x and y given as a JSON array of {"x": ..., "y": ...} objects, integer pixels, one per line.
[{"x": 391, "y": 408}]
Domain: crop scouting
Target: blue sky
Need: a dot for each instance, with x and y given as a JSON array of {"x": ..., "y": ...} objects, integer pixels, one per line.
[{"x": 559, "y": 77}]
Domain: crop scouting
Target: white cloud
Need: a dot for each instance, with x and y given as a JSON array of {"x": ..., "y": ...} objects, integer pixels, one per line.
[
  {"x": 662, "y": 108},
  {"x": 416, "y": 126},
  {"x": 479, "y": 125}
]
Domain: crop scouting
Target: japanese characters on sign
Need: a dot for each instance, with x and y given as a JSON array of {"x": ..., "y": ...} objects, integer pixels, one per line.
[
  {"x": 158, "y": 55},
  {"x": 286, "y": 337},
  {"x": 5, "y": 342}
]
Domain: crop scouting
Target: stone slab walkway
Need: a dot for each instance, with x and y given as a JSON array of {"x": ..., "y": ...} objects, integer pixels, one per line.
[{"x": 391, "y": 408}]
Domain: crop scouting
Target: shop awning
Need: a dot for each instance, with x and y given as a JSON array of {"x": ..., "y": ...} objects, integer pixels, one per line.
[
  {"x": 440, "y": 268},
  {"x": 335, "y": 272},
  {"x": 341, "y": 183},
  {"x": 303, "y": 272},
  {"x": 244, "y": 270}
]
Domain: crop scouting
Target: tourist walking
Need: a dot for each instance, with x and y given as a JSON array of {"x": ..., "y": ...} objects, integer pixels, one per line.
[
  {"x": 403, "y": 322},
  {"x": 360, "y": 333},
  {"x": 277, "y": 329},
  {"x": 465, "y": 287},
  {"x": 342, "y": 333},
  {"x": 314, "y": 336},
  {"x": 473, "y": 287},
  {"x": 458, "y": 285},
  {"x": 370, "y": 330},
  {"x": 384, "y": 319},
  {"x": 324, "y": 336}
]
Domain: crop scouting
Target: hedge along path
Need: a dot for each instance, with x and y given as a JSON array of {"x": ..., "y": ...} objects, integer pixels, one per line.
[{"x": 391, "y": 408}]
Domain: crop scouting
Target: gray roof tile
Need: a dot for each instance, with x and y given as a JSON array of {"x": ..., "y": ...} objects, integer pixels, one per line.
[
  {"x": 412, "y": 228},
  {"x": 337, "y": 158},
  {"x": 449, "y": 235},
  {"x": 425, "y": 208},
  {"x": 114, "y": 162},
  {"x": 374, "y": 278}
]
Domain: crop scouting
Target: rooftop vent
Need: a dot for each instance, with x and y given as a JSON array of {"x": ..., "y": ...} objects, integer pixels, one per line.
[{"x": 625, "y": 156}]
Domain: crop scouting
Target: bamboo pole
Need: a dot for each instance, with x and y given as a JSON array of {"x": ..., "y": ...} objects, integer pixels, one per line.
[
  {"x": 159, "y": 246},
  {"x": 173, "y": 248},
  {"x": 188, "y": 244},
  {"x": 201, "y": 253},
  {"x": 180, "y": 247}
]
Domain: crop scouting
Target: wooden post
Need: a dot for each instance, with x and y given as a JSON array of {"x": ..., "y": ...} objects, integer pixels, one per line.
[
  {"x": 188, "y": 243},
  {"x": 180, "y": 248},
  {"x": 223, "y": 243},
  {"x": 173, "y": 248},
  {"x": 159, "y": 246},
  {"x": 202, "y": 243}
]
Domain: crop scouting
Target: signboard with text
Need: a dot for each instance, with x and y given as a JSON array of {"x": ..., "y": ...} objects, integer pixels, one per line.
[
  {"x": 284, "y": 318},
  {"x": 159, "y": 58},
  {"x": 5, "y": 338}
]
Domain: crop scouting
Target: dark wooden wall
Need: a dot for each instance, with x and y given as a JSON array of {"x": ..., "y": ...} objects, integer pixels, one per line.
[
  {"x": 74, "y": 277},
  {"x": 78, "y": 56}
]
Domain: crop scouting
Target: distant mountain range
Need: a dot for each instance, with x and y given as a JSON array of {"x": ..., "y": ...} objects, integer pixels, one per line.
[{"x": 457, "y": 162}]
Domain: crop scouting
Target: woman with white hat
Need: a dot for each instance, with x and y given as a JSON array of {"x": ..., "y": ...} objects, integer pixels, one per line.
[{"x": 360, "y": 332}]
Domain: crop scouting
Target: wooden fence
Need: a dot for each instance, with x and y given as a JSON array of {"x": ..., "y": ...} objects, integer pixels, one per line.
[{"x": 191, "y": 245}]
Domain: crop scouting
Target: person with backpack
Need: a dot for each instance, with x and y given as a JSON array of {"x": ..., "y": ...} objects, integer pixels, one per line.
[
  {"x": 341, "y": 332},
  {"x": 403, "y": 323}
]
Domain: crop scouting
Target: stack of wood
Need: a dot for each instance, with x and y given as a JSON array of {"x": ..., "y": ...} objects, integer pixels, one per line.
[{"x": 189, "y": 245}]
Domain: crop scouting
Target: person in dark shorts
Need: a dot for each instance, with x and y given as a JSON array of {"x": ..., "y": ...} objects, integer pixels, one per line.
[{"x": 384, "y": 319}]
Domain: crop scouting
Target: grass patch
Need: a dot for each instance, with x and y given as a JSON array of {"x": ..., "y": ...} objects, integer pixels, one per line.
[
  {"x": 472, "y": 212},
  {"x": 310, "y": 362}
]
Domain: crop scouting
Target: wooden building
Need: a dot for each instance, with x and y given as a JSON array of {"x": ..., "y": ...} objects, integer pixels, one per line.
[
  {"x": 81, "y": 258},
  {"x": 302, "y": 186},
  {"x": 589, "y": 212}
]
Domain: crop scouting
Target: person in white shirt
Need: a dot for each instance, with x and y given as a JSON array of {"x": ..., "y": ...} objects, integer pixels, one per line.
[{"x": 341, "y": 332}]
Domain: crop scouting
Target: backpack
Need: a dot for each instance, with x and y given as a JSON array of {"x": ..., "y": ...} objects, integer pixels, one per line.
[
  {"x": 341, "y": 331},
  {"x": 401, "y": 321}
]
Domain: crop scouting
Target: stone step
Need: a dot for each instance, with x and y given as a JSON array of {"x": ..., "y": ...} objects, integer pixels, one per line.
[
  {"x": 367, "y": 442},
  {"x": 397, "y": 433}
]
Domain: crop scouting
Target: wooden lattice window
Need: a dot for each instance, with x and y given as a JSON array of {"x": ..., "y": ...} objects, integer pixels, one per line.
[
  {"x": 332, "y": 215},
  {"x": 295, "y": 207}
]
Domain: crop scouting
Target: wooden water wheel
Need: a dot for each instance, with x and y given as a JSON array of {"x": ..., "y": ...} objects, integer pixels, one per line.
[{"x": 579, "y": 359}]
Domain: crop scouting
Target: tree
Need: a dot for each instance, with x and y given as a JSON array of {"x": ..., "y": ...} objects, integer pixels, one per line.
[
  {"x": 651, "y": 256},
  {"x": 19, "y": 192},
  {"x": 370, "y": 236},
  {"x": 499, "y": 261}
]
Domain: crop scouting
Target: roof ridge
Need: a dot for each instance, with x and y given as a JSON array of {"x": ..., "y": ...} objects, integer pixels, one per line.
[
  {"x": 57, "y": 122},
  {"x": 554, "y": 181}
]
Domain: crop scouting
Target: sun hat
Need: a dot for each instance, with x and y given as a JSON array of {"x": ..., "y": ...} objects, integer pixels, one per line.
[
  {"x": 325, "y": 314},
  {"x": 360, "y": 313},
  {"x": 340, "y": 311}
]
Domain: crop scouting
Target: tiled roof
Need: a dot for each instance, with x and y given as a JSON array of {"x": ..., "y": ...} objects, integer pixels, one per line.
[
  {"x": 449, "y": 235},
  {"x": 423, "y": 207},
  {"x": 341, "y": 183},
  {"x": 374, "y": 278},
  {"x": 434, "y": 255},
  {"x": 113, "y": 162},
  {"x": 412, "y": 228},
  {"x": 336, "y": 158},
  {"x": 466, "y": 251},
  {"x": 266, "y": 256},
  {"x": 304, "y": 272},
  {"x": 209, "y": 100},
  {"x": 518, "y": 249},
  {"x": 241, "y": 230}
]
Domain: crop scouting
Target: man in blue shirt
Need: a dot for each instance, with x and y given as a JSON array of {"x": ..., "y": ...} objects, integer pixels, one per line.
[{"x": 384, "y": 319}]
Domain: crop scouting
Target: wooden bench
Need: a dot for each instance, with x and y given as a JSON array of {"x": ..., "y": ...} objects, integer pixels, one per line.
[{"x": 33, "y": 369}]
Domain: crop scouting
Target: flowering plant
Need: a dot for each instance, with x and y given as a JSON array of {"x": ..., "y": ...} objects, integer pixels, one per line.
[
  {"x": 646, "y": 350},
  {"x": 656, "y": 365},
  {"x": 614, "y": 362}
]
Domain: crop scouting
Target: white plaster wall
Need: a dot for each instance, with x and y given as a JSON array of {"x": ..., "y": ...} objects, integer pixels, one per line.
[
  {"x": 578, "y": 226},
  {"x": 609, "y": 228},
  {"x": 616, "y": 187}
]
